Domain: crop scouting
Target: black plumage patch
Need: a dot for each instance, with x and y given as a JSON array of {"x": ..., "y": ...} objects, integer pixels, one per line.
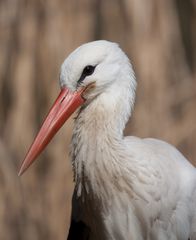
[{"x": 78, "y": 231}]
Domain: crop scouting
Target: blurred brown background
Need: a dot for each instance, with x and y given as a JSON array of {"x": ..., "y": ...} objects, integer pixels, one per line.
[{"x": 35, "y": 37}]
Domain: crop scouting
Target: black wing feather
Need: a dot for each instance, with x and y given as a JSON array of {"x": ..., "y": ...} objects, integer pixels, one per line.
[{"x": 78, "y": 231}]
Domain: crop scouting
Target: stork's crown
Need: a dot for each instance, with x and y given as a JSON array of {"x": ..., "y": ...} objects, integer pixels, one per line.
[{"x": 100, "y": 62}]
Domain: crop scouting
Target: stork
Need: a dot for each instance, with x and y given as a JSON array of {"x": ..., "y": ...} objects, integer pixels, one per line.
[{"x": 125, "y": 187}]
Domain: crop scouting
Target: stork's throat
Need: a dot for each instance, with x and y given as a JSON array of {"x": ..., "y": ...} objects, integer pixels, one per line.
[{"x": 95, "y": 137}]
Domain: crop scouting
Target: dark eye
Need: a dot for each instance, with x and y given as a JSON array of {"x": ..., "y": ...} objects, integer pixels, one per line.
[{"x": 87, "y": 71}]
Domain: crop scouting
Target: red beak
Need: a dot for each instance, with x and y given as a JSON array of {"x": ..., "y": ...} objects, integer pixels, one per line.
[{"x": 66, "y": 103}]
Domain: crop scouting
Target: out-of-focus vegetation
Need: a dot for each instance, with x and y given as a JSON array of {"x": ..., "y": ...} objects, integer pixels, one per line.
[{"x": 35, "y": 37}]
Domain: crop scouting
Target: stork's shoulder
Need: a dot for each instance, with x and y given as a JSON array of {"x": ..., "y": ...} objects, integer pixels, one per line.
[
  {"x": 155, "y": 148},
  {"x": 168, "y": 151},
  {"x": 160, "y": 155}
]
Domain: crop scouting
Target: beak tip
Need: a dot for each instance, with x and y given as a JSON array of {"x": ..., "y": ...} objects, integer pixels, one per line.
[
  {"x": 19, "y": 174},
  {"x": 21, "y": 171}
]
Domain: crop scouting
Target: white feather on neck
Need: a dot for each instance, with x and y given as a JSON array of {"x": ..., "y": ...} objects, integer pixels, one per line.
[{"x": 97, "y": 136}]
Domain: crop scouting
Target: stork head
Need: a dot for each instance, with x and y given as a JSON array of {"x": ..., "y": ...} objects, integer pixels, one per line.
[
  {"x": 95, "y": 66},
  {"x": 87, "y": 72}
]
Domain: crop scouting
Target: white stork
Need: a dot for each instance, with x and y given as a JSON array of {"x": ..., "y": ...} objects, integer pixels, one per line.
[{"x": 126, "y": 188}]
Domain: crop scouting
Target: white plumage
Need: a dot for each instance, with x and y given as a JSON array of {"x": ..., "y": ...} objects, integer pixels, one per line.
[{"x": 125, "y": 187}]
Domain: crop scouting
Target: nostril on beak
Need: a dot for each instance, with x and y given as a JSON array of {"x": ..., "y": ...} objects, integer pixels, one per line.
[{"x": 62, "y": 99}]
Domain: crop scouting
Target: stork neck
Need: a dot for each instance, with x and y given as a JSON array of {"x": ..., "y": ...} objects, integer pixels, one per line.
[{"x": 98, "y": 134}]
